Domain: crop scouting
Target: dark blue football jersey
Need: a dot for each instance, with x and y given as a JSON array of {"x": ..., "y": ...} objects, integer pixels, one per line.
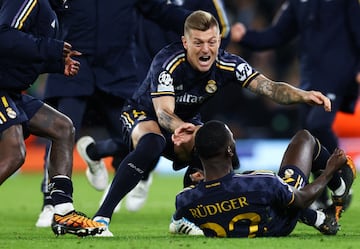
[
  {"x": 240, "y": 205},
  {"x": 28, "y": 25},
  {"x": 170, "y": 74}
]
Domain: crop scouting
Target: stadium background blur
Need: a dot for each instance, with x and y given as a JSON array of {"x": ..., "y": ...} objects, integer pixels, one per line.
[{"x": 262, "y": 128}]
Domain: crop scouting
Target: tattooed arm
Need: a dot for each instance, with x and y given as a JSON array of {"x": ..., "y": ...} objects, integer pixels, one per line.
[
  {"x": 164, "y": 108},
  {"x": 182, "y": 132},
  {"x": 286, "y": 94}
]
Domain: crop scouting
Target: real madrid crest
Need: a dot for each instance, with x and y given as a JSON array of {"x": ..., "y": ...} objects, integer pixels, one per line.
[
  {"x": 11, "y": 113},
  {"x": 288, "y": 173},
  {"x": 211, "y": 86}
]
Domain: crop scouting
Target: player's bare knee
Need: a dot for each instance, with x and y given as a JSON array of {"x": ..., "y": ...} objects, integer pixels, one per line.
[
  {"x": 304, "y": 136},
  {"x": 304, "y": 133},
  {"x": 64, "y": 128}
]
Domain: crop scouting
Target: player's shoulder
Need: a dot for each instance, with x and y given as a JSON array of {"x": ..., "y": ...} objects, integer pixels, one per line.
[
  {"x": 186, "y": 189},
  {"x": 264, "y": 176},
  {"x": 259, "y": 172},
  {"x": 229, "y": 61},
  {"x": 170, "y": 56}
]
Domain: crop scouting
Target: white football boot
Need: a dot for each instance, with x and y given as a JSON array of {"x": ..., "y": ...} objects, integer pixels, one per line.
[
  {"x": 96, "y": 171},
  {"x": 45, "y": 217},
  {"x": 105, "y": 221},
  {"x": 184, "y": 226},
  {"x": 137, "y": 197}
]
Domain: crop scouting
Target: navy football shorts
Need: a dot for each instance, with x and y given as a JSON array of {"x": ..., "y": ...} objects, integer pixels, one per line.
[
  {"x": 293, "y": 176},
  {"x": 131, "y": 116},
  {"x": 16, "y": 108}
]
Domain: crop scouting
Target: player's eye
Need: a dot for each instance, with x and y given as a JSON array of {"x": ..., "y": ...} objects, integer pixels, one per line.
[{"x": 212, "y": 43}]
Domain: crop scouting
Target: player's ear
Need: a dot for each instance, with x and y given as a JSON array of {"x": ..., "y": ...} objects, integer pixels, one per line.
[
  {"x": 184, "y": 42},
  {"x": 229, "y": 152}
]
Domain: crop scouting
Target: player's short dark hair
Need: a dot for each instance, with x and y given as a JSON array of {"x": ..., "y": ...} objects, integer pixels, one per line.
[
  {"x": 200, "y": 20},
  {"x": 212, "y": 139}
]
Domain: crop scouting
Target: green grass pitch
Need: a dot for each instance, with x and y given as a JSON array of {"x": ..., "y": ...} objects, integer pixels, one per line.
[{"x": 21, "y": 202}]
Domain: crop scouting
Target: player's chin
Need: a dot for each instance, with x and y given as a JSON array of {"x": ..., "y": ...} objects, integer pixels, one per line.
[{"x": 204, "y": 68}]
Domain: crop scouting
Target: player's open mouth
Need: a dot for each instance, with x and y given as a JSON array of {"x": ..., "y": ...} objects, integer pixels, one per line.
[{"x": 204, "y": 58}]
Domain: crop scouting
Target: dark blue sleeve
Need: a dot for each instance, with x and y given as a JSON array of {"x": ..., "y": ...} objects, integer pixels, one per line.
[
  {"x": 283, "y": 193},
  {"x": 353, "y": 15},
  {"x": 17, "y": 44},
  {"x": 168, "y": 16},
  {"x": 282, "y": 31},
  {"x": 178, "y": 214},
  {"x": 179, "y": 207}
]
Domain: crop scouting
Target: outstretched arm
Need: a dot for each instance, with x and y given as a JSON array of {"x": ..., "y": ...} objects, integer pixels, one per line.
[
  {"x": 164, "y": 108},
  {"x": 286, "y": 94}
]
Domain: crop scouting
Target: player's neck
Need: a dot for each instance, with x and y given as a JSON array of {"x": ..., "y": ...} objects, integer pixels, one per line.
[{"x": 215, "y": 170}]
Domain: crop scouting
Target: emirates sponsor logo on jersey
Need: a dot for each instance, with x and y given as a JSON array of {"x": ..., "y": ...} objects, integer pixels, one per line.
[{"x": 189, "y": 99}]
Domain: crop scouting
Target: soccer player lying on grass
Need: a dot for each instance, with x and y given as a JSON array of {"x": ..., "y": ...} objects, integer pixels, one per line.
[{"x": 258, "y": 203}]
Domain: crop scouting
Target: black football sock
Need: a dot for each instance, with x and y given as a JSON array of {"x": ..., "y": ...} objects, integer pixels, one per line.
[
  {"x": 147, "y": 173},
  {"x": 131, "y": 171},
  {"x": 47, "y": 199},
  {"x": 320, "y": 157},
  {"x": 61, "y": 189},
  {"x": 308, "y": 216},
  {"x": 105, "y": 148}
]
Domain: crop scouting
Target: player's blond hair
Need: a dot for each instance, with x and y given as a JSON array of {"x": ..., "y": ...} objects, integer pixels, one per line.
[{"x": 200, "y": 20}]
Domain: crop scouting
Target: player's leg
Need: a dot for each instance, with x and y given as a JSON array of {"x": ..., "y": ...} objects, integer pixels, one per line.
[
  {"x": 116, "y": 148},
  {"x": 49, "y": 123},
  {"x": 319, "y": 124},
  {"x": 300, "y": 154},
  {"x": 47, "y": 209},
  {"x": 148, "y": 144},
  {"x": 74, "y": 108},
  {"x": 137, "y": 197},
  {"x": 307, "y": 153},
  {"x": 12, "y": 146},
  {"x": 93, "y": 152},
  {"x": 12, "y": 151}
]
